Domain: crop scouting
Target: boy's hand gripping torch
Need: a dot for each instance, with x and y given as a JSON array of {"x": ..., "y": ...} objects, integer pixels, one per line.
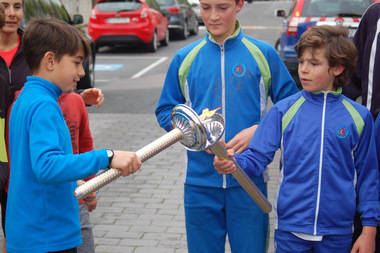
[{"x": 196, "y": 133}]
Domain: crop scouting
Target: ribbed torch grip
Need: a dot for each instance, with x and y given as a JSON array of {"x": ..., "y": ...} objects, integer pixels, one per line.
[
  {"x": 244, "y": 180},
  {"x": 144, "y": 154}
]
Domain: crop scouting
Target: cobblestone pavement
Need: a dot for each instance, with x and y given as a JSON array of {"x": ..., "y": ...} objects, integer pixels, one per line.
[{"x": 143, "y": 213}]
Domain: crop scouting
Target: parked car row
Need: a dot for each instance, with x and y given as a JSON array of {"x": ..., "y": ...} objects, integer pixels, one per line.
[
  {"x": 304, "y": 14},
  {"x": 147, "y": 22}
]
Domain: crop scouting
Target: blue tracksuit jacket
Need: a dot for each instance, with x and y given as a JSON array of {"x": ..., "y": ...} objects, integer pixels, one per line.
[
  {"x": 238, "y": 77},
  {"x": 42, "y": 213},
  {"x": 328, "y": 160}
]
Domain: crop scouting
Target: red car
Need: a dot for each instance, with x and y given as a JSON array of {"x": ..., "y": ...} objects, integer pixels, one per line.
[{"x": 114, "y": 22}]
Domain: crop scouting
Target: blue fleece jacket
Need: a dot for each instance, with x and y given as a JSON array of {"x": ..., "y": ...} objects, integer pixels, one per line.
[{"x": 42, "y": 213}]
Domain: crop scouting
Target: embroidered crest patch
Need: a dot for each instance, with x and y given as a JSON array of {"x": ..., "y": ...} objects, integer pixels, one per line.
[
  {"x": 239, "y": 70},
  {"x": 342, "y": 132}
]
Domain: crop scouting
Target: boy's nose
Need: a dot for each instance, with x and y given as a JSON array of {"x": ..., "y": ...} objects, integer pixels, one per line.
[{"x": 82, "y": 73}]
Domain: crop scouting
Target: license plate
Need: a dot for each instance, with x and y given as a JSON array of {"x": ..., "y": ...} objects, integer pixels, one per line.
[{"x": 118, "y": 20}]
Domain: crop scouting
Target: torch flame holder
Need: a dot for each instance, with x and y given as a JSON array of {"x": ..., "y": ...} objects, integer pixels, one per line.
[{"x": 196, "y": 135}]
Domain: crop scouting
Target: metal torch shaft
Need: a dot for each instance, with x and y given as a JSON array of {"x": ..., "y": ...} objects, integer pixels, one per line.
[
  {"x": 243, "y": 179},
  {"x": 144, "y": 154}
]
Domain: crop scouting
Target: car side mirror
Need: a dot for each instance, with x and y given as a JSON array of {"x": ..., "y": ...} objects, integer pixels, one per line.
[
  {"x": 77, "y": 19},
  {"x": 280, "y": 13}
]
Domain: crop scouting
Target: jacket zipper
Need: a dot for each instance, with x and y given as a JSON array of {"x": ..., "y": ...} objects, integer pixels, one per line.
[
  {"x": 223, "y": 97},
  {"x": 320, "y": 161}
]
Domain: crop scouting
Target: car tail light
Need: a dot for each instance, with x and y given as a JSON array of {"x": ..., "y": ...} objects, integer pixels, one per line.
[
  {"x": 173, "y": 10},
  {"x": 144, "y": 14},
  {"x": 292, "y": 26},
  {"x": 93, "y": 14},
  {"x": 294, "y": 20}
]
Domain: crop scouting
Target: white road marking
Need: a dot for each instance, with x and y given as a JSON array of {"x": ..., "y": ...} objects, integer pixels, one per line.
[{"x": 154, "y": 64}]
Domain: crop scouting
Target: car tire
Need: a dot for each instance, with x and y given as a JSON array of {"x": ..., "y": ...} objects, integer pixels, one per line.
[
  {"x": 165, "y": 41},
  {"x": 88, "y": 81},
  {"x": 195, "y": 30},
  {"x": 184, "y": 32},
  {"x": 277, "y": 45},
  {"x": 153, "y": 45}
]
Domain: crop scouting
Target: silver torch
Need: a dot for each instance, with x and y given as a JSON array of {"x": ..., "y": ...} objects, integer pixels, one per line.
[{"x": 196, "y": 133}]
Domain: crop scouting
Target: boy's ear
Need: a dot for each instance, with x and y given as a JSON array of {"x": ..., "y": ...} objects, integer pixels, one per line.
[
  {"x": 337, "y": 69},
  {"x": 49, "y": 60}
]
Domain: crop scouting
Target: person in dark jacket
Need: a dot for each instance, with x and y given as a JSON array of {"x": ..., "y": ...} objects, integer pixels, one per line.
[{"x": 365, "y": 81}]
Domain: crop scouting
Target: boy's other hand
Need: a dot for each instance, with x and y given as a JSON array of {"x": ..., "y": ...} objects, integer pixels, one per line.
[
  {"x": 93, "y": 96},
  {"x": 91, "y": 202},
  {"x": 241, "y": 141},
  {"x": 366, "y": 241},
  {"x": 126, "y": 162},
  {"x": 225, "y": 166}
]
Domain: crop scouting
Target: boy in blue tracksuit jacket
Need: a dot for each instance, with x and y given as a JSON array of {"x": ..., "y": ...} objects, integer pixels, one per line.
[
  {"x": 42, "y": 213},
  {"x": 328, "y": 153},
  {"x": 236, "y": 73}
]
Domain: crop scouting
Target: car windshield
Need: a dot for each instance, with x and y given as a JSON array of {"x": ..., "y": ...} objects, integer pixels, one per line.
[
  {"x": 118, "y": 6},
  {"x": 333, "y": 8},
  {"x": 166, "y": 2}
]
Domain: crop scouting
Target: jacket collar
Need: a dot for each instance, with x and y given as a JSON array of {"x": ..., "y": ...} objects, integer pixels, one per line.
[
  {"x": 50, "y": 87},
  {"x": 236, "y": 34},
  {"x": 318, "y": 96}
]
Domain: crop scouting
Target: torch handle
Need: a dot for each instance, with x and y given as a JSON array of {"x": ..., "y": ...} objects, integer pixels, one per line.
[
  {"x": 243, "y": 179},
  {"x": 144, "y": 154}
]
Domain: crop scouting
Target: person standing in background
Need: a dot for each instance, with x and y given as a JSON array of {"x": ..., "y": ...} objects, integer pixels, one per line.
[{"x": 365, "y": 81}]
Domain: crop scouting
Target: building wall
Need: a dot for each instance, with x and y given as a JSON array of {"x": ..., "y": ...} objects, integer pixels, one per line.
[{"x": 79, "y": 7}]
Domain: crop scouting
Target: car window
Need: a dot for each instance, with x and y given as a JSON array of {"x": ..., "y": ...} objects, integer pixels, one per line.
[
  {"x": 61, "y": 11},
  {"x": 153, "y": 4},
  {"x": 333, "y": 8},
  {"x": 166, "y": 2},
  {"x": 118, "y": 6}
]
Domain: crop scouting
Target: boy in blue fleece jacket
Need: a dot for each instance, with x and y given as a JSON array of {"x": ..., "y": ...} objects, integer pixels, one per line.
[
  {"x": 43, "y": 215},
  {"x": 328, "y": 153}
]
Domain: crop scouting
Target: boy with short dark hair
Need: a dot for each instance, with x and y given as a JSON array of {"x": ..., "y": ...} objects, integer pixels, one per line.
[
  {"x": 229, "y": 70},
  {"x": 42, "y": 213},
  {"x": 328, "y": 152}
]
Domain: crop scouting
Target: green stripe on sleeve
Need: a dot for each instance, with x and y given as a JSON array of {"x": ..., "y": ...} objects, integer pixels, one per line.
[
  {"x": 291, "y": 112},
  {"x": 359, "y": 122},
  {"x": 186, "y": 64},
  {"x": 261, "y": 62}
]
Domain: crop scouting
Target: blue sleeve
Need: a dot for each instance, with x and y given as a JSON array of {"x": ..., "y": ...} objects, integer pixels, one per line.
[
  {"x": 377, "y": 141},
  {"x": 51, "y": 163},
  {"x": 171, "y": 95},
  {"x": 282, "y": 83},
  {"x": 367, "y": 185},
  {"x": 377, "y": 138},
  {"x": 265, "y": 142}
]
